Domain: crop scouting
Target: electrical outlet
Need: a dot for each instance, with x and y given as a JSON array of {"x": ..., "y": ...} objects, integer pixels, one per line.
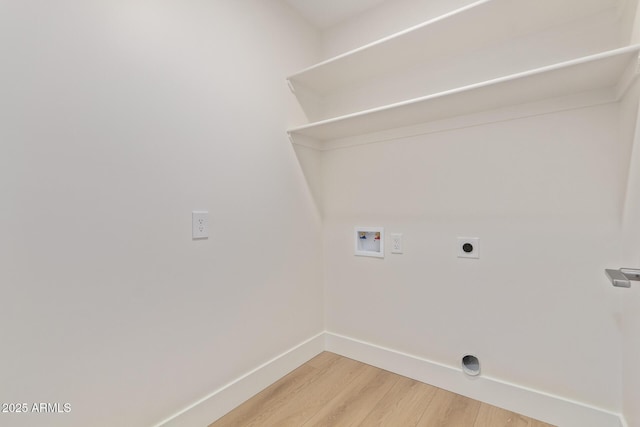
[
  {"x": 468, "y": 247},
  {"x": 200, "y": 224},
  {"x": 396, "y": 243}
]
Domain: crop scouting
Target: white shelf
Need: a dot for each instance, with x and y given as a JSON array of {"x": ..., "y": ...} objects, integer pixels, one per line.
[
  {"x": 484, "y": 23},
  {"x": 613, "y": 70}
]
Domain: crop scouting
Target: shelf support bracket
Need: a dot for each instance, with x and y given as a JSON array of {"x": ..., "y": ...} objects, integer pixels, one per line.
[
  {"x": 291, "y": 88},
  {"x": 628, "y": 78}
]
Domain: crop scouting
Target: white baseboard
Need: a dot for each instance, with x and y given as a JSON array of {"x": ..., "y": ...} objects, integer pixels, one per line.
[
  {"x": 215, "y": 405},
  {"x": 535, "y": 404},
  {"x": 552, "y": 409}
]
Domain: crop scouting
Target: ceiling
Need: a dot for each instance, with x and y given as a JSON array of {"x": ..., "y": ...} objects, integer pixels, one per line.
[{"x": 325, "y": 13}]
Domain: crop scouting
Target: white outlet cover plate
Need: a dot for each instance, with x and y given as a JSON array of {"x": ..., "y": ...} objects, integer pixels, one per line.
[
  {"x": 473, "y": 241},
  {"x": 200, "y": 224},
  {"x": 396, "y": 243}
]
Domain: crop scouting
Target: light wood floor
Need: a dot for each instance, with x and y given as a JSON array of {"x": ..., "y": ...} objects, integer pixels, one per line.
[{"x": 331, "y": 390}]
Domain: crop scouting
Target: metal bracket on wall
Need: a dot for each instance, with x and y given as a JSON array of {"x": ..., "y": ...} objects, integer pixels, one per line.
[{"x": 622, "y": 278}]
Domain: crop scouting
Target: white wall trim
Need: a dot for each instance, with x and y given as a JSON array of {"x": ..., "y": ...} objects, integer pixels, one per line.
[
  {"x": 533, "y": 403},
  {"x": 543, "y": 406},
  {"x": 218, "y": 403}
]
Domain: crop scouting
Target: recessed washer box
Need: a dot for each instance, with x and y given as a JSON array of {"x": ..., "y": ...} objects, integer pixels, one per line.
[{"x": 369, "y": 241}]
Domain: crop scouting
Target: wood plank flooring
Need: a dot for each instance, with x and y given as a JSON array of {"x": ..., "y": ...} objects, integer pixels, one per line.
[{"x": 331, "y": 390}]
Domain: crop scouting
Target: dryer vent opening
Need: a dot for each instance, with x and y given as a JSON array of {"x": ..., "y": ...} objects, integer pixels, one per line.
[{"x": 470, "y": 365}]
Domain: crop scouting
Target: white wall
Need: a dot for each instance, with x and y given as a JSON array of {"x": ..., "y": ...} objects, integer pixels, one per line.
[
  {"x": 117, "y": 119},
  {"x": 545, "y": 194},
  {"x": 630, "y": 256},
  {"x": 630, "y": 252},
  {"x": 542, "y": 194}
]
